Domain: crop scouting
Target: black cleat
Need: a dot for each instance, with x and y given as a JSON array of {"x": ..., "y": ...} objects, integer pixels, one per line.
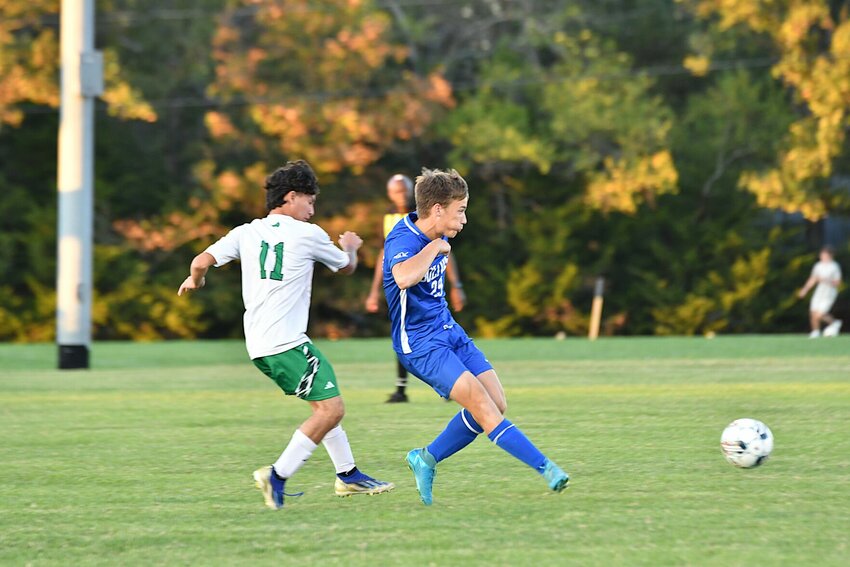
[{"x": 397, "y": 398}]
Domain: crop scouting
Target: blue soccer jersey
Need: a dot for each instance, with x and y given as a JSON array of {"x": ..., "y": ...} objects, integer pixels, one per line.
[{"x": 418, "y": 312}]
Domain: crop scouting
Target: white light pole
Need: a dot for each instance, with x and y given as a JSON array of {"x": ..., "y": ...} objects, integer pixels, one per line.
[{"x": 81, "y": 81}]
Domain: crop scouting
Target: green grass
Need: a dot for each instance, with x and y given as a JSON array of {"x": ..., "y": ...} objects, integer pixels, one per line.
[{"x": 147, "y": 458}]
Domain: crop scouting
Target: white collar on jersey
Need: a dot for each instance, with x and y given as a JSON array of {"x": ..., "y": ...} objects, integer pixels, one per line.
[{"x": 411, "y": 226}]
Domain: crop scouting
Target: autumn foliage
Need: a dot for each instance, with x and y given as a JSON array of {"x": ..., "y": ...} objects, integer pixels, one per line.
[{"x": 692, "y": 152}]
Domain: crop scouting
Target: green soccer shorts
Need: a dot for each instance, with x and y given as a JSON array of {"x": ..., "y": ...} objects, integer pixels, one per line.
[{"x": 301, "y": 371}]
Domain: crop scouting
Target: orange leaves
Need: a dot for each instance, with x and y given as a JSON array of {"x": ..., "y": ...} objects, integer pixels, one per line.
[
  {"x": 323, "y": 81},
  {"x": 126, "y": 102},
  {"x": 28, "y": 68},
  {"x": 818, "y": 76},
  {"x": 29, "y": 65},
  {"x": 219, "y": 125},
  {"x": 365, "y": 44},
  {"x": 439, "y": 90},
  {"x": 224, "y": 191},
  {"x": 793, "y": 184},
  {"x": 625, "y": 184},
  {"x": 759, "y": 16},
  {"x": 359, "y": 217},
  {"x": 795, "y": 29},
  {"x": 331, "y": 136},
  {"x": 178, "y": 230},
  {"x": 773, "y": 191},
  {"x": 698, "y": 65},
  {"x": 279, "y": 120}
]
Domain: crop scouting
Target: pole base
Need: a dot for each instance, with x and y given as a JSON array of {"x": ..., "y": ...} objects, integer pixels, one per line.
[{"x": 73, "y": 356}]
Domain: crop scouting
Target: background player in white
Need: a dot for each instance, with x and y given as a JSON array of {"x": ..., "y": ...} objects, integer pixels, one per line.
[
  {"x": 277, "y": 254},
  {"x": 400, "y": 194},
  {"x": 826, "y": 274}
]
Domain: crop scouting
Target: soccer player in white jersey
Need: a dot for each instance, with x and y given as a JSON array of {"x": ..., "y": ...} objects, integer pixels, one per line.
[
  {"x": 826, "y": 275},
  {"x": 277, "y": 255},
  {"x": 433, "y": 347}
]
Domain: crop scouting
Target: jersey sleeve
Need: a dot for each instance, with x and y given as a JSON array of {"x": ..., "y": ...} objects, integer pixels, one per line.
[
  {"x": 326, "y": 252},
  {"x": 397, "y": 250},
  {"x": 226, "y": 248}
]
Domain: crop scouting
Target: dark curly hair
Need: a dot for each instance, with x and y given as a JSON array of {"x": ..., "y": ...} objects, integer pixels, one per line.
[{"x": 294, "y": 176}]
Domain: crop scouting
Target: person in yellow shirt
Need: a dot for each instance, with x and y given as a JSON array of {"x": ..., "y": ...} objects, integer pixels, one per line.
[{"x": 400, "y": 194}]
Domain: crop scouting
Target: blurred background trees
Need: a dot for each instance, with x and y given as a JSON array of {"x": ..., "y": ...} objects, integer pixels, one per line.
[{"x": 692, "y": 152}]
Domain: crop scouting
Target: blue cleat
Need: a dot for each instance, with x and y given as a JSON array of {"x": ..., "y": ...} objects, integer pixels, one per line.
[
  {"x": 556, "y": 477},
  {"x": 360, "y": 483},
  {"x": 423, "y": 471},
  {"x": 272, "y": 487}
]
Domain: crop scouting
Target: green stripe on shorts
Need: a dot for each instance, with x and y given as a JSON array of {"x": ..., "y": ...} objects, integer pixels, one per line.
[{"x": 302, "y": 371}]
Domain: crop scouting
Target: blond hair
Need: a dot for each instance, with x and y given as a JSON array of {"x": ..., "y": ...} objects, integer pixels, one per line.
[{"x": 435, "y": 186}]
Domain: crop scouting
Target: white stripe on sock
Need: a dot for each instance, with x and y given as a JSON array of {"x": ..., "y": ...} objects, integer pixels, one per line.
[
  {"x": 465, "y": 422},
  {"x": 502, "y": 432}
]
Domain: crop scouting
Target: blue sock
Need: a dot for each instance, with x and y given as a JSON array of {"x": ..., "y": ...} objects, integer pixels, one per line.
[
  {"x": 507, "y": 436},
  {"x": 461, "y": 430}
]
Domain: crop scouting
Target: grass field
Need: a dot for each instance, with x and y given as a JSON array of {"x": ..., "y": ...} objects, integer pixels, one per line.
[{"x": 147, "y": 458}]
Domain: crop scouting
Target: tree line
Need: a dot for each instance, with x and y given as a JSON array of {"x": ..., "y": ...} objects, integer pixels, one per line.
[{"x": 692, "y": 152}]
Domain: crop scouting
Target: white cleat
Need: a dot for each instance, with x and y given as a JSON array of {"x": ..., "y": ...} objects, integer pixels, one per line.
[
  {"x": 362, "y": 486},
  {"x": 833, "y": 329}
]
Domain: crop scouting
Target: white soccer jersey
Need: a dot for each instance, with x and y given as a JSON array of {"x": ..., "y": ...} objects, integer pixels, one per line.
[
  {"x": 277, "y": 255},
  {"x": 825, "y": 293}
]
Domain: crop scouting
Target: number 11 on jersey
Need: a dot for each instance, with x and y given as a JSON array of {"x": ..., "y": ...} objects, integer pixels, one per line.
[{"x": 277, "y": 273}]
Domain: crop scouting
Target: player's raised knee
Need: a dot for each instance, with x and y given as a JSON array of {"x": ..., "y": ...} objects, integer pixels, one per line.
[
  {"x": 332, "y": 410},
  {"x": 338, "y": 409}
]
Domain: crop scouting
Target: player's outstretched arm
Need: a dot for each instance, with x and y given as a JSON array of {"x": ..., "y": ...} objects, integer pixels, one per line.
[
  {"x": 350, "y": 243},
  {"x": 197, "y": 273},
  {"x": 410, "y": 272},
  {"x": 809, "y": 285}
]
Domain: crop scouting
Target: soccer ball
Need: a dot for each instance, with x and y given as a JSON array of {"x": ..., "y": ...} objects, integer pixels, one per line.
[{"x": 746, "y": 443}]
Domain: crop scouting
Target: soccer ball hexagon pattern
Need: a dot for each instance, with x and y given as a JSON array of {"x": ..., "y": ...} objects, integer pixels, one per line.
[{"x": 746, "y": 443}]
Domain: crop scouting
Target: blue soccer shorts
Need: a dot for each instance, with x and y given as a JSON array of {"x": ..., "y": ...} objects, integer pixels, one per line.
[{"x": 447, "y": 355}]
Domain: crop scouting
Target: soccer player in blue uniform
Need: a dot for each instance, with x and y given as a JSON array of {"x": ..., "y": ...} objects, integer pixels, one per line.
[
  {"x": 433, "y": 347},
  {"x": 400, "y": 193}
]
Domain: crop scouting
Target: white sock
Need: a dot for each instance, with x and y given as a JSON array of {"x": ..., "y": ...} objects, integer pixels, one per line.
[
  {"x": 336, "y": 444},
  {"x": 296, "y": 454}
]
